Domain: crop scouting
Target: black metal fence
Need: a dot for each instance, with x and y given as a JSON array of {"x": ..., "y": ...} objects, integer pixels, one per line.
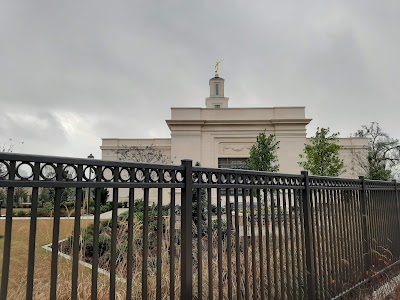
[{"x": 201, "y": 233}]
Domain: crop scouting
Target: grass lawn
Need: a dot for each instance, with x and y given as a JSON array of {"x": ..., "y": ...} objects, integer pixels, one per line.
[
  {"x": 19, "y": 259},
  {"x": 19, "y": 254}
]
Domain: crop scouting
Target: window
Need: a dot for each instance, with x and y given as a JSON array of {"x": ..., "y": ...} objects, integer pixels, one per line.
[
  {"x": 217, "y": 106},
  {"x": 232, "y": 163},
  {"x": 216, "y": 89}
]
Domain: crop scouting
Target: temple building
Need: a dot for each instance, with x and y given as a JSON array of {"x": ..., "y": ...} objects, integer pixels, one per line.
[{"x": 218, "y": 135}]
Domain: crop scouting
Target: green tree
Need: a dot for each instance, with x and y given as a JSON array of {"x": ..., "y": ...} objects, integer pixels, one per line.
[
  {"x": 45, "y": 195},
  {"x": 383, "y": 155},
  {"x": 263, "y": 155},
  {"x": 104, "y": 194},
  {"x": 20, "y": 195},
  {"x": 48, "y": 194},
  {"x": 321, "y": 156}
]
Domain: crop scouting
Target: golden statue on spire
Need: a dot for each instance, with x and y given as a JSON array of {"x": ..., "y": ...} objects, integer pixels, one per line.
[{"x": 216, "y": 67}]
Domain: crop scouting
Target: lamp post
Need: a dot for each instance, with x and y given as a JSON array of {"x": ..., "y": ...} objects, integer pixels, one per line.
[{"x": 90, "y": 178}]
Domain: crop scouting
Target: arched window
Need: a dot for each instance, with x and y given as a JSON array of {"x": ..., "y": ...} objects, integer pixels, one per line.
[{"x": 216, "y": 89}]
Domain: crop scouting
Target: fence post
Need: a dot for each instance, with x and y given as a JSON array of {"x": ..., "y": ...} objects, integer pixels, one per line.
[
  {"x": 308, "y": 237},
  {"x": 364, "y": 226},
  {"x": 396, "y": 190},
  {"x": 186, "y": 232}
]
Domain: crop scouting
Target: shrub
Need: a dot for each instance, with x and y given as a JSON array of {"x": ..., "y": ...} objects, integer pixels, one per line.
[
  {"x": 213, "y": 209},
  {"x": 106, "y": 207},
  {"x": 43, "y": 212},
  {"x": 122, "y": 204},
  {"x": 69, "y": 204},
  {"x": 178, "y": 209},
  {"x": 224, "y": 228},
  {"x": 138, "y": 205},
  {"x": 48, "y": 205},
  {"x": 166, "y": 209},
  {"x": 21, "y": 213}
]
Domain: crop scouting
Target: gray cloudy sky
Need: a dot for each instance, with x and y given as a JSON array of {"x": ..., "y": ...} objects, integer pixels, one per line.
[{"x": 72, "y": 72}]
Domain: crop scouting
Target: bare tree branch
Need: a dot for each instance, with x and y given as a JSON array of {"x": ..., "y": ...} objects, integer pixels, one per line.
[
  {"x": 9, "y": 146},
  {"x": 142, "y": 154},
  {"x": 383, "y": 158}
]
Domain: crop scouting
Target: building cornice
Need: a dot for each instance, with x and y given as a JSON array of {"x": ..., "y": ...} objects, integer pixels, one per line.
[
  {"x": 236, "y": 122},
  {"x": 241, "y": 108},
  {"x": 138, "y": 139},
  {"x": 291, "y": 121},
  {"x": 118, "y": 147}
]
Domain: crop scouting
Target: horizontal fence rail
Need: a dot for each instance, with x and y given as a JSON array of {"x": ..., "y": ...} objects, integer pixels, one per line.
[{"x": 103, "y": 229}]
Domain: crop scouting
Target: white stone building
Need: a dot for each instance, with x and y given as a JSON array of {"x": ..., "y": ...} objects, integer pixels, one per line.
[{"x": 221, "y": 136}]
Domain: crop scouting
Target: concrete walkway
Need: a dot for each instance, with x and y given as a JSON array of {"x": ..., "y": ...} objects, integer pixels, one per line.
[
  {"x": 108, "y": 215},
  {"x": 104, "y": 216}
]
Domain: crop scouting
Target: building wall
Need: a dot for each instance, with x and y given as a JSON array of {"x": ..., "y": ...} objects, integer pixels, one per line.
[
  {"x": 219, "y": 143},
  {"x": 350, "y": 148},
  {"x": 110, "y": 145},
  {"x": 206, "y": 134}
]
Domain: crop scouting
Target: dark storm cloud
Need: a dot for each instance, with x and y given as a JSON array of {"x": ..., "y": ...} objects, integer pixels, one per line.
[{"x": 73, "y": 72}]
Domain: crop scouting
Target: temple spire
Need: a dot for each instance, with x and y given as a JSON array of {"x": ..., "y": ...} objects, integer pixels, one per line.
[{"x": 217, "y": 89}]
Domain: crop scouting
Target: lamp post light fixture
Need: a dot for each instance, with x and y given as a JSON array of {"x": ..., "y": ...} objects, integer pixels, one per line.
[{"x": 90, "y": 178}]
